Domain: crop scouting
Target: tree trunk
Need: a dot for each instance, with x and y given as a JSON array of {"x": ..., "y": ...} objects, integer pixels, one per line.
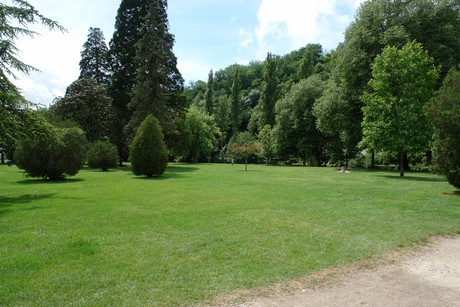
[
  {"x": 401, "y": 164},
  {"x": 372, "y": 158},
  {"x": 246, "y": 164}
]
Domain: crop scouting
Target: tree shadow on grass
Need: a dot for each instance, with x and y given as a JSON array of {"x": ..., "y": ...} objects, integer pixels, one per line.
[
  {"x": 172, "y": 172},
  {"x": 7, "y": 202},
  {"x": 414, "y": 178},
  {"x": 453, "y": 193},
  {"x": 46, "y": 181}
]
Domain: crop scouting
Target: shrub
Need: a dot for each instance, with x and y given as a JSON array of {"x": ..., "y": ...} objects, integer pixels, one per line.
[
  {"x": 51, "y": 153},
  {"x": 148, "y": 153},
  {"x": 103, "y": 155}
]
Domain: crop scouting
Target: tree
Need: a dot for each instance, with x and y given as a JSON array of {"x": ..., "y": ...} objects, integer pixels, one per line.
[
  {"x": 49, "y": 152},
  {"x": 296, "y": 129},
  {"x": 94, "y": 58},
  {"x": 122, "y": 53},
  {"x": 88, "y": 104},
  {"x": 268, "y": 95},
  {"x": 209, "y": 95},
  {"x": 403, "y": 81},
  {"x": 444, "y": 112},
  {"x": 202, "y": 133},
  {"x": 159, "y": 87},
  {"x": 307, "y": 66},
  {"x": 148, "y": 153},
  {"x": 235, "y": 107},
  {"x": 244, "y": 145},
  {"x": 103, "y": 155},
  {"x": 267, "y": 143},
  {"x": 14, "y": 22}
]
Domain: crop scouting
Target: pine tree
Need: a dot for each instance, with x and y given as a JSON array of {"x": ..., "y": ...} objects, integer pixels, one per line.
[
  {"x": 122, "y": 52},
  {"x": 209, "y": 95},
  {"x": 94, "y": 61},
  {"x": 235, "y": 109},
  {"x": 159, "y": 85}
]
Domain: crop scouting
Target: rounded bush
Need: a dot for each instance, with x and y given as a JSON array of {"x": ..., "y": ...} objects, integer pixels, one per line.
[{"x": 103, "y": 155}]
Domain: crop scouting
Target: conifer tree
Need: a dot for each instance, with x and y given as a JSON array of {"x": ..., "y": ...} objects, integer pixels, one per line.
[
  {"x": 94, "y": 62},
  {"x": 235, "y": 109},
  {"x": 269, "y": 87},
  {"x": 159, "y": 87},
  {"x": 209, "y": 95}
]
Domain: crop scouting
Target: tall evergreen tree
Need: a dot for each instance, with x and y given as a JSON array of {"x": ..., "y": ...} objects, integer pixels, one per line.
[
  {"x": 94, "y": 61},
  {"x": 235, "y": 109},
  {"x": 209, "y": 95},
  {"x": 159, "y": 87},
  {"x": 122, "y": 52},
  {"x": 269, "y": 86}
]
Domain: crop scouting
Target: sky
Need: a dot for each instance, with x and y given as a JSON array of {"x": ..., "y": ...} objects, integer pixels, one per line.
[{"x": 209, "y": 34}]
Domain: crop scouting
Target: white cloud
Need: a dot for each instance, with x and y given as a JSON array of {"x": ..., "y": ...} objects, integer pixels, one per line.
[
  {"x": 246, "y": 38},
  {"x": 290, "y": 24}
]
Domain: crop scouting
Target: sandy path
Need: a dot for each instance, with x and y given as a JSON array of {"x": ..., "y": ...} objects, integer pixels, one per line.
[{"x": 429, "y": 276}]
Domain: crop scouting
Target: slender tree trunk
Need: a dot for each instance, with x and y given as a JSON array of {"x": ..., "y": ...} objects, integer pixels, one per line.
[
  {"x": 246, "y": 164},
  {"x": 372, "y": 158},
  {"x": 401, "y": 164}
]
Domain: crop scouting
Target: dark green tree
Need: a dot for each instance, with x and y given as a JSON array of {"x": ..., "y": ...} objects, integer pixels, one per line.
[
  {"x": 148, "y": 152},
  {"x": 209, "y": 95},
  {"x": 235, "y": 106},
  {"x": 122, "y": 53},
  {"x": 307, "y": 65},
  {"x": 159, "y": 87},
  {"x": 94, "y": 62},
  {"x": 444, "y": 112},
  {"x": 50, "y": 153},
  {"x": 14, "y": 23},
  {"x": 88, "y": 104},
  {"x": 403, "y": 81},
  {"x": 103, "y": 155},
  {"x": 268, "y": 95}
]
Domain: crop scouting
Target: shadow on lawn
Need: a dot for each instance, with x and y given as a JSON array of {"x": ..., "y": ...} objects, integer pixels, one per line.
[
  {"x": 8, "y": 202},
  {"x": 414, "y": 178},
  {"x": 46, "y": 181},
  {"x": 170, "y": 173}
]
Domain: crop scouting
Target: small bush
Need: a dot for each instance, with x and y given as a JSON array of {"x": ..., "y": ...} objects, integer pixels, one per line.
[
  {"x": 148, "y": 153},
  {"x": 103, "y": 155}
]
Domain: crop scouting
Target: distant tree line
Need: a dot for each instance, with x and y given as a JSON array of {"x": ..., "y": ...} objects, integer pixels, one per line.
[{"x": 380, "y": 92}]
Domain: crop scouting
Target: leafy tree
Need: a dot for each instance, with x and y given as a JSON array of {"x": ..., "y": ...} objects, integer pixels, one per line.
[
  {"x": 148, "y": 153},
  {"x": 209, "y": 95},
  {"x": 307, "y": 66},
  {"x": 235, "y": 110},
  {"x": 159, "y": 87},
  {"x": 14, "y": 23},
  {"x": 444, "y": 111},
  {"x": 403, "y": 81},
  {"x": 296, "y": 129},
  {"x": 267, "y": 142},
  {"x": 94, "y": 62},
  {"x": 89, "y": 105},
  {"x": 103, "y": 155},
  {"x": 268, "y": 95},
  {"x": 244, "y": 145},
  {"x": 122, "y": 53},
  {"x": 49, "y": 152},
  {"x": 202, "y": 133}
]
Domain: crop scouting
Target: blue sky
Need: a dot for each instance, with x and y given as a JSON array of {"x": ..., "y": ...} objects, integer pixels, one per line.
[{"x": 210, "y": 34}]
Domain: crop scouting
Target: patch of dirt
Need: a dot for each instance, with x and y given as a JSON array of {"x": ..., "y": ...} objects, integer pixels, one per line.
[{"x": 427, "y": 275}]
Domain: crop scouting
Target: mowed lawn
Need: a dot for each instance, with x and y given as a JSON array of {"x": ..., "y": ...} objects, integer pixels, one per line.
[{"x": 201, "y": 231}]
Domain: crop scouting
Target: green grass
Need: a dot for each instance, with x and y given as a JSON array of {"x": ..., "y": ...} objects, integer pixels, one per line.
[{"x": 202, "y": 230}]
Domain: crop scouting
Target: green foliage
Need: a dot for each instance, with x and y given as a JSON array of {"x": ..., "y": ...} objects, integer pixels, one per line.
[
  {"x": 267, "y": 142},
  {"x": 268, "y": 96},
  {"x": 148, "y": 153},
  {"x": 51, "y": 153},
  {"x": 244, "y": 145},
  {"x": 235, "y": 105},
  {"x": 88, "y": 104},
  {"x": 394, "y": 113},
  {"x": 209, "y": 94},
  {"x": 103, "y": 155},
  {"x": 159, "y": 86},
  {"x": 94, "y": 58},
  {"x": 201, "y": 133},
  {"x": 444, "y": 111}
]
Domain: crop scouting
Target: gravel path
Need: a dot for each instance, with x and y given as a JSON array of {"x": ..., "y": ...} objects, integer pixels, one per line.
[{"x": 428, "y": 276}]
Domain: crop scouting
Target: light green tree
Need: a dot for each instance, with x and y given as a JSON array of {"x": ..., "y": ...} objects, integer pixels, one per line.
[
  {"x": 403, "y": 81},
  {"x": 267, "y": 143}
]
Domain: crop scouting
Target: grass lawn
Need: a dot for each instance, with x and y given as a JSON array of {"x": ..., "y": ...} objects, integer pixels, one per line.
[{"x": 202, "y": 230}]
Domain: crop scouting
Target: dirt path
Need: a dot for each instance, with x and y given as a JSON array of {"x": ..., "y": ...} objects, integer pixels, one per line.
[{"x": 427, "y": 276}]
